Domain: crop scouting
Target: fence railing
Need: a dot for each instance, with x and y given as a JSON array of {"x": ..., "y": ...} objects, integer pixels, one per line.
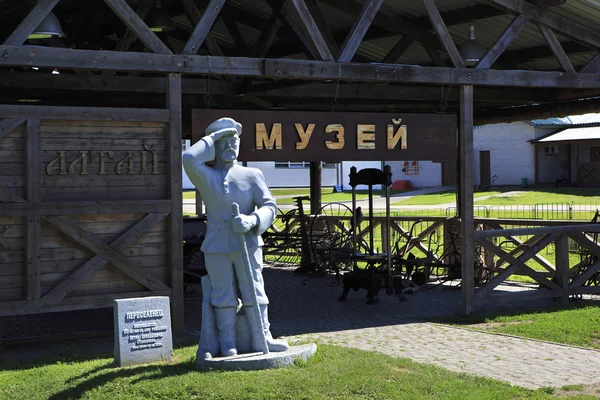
[{"x": 559, "y": 211}]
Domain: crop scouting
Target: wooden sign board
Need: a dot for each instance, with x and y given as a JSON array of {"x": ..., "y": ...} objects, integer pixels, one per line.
[
  {"x": 83, "y": 214},
  {"x": 333, "y": 137}
]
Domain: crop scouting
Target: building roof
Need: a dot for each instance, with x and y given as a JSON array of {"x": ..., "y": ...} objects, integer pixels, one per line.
[
  {"x": 571, "y": 134},
  {"x": 574, "y": 120}
]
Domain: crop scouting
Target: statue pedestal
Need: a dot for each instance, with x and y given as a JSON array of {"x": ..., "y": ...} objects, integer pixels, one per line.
[{"x": 258, "y": 361}]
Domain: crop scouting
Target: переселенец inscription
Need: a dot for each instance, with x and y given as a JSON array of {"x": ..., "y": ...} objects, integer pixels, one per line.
[
  {"x": 142, "y": 330},
  {"x": 145, "y": 335}
]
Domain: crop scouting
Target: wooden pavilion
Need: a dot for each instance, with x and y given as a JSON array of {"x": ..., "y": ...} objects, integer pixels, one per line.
[{"x": 94, "y": 109}]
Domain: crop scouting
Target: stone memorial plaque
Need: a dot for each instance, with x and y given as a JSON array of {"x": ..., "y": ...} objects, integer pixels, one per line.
[{"x": 142, "y": 330}]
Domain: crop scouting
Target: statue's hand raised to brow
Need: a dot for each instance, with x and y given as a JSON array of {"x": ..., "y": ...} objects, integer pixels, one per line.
[
  {"x": 243, "y": 223},
  {"x": 223, "y": 133}
]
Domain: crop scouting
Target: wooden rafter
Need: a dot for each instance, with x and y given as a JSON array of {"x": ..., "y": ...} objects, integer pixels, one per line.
[
  {"x": 137, "y": 26},
  {"x": 312, "y": 30},
  {"x": 359, "y": 30},
  {"x": 443, "y": 34},
  {"x": 129, "y": 36},
  {"x": 399, "y": 48},
  {"x": 28, "y": 25},
  {"x": 266, "y": 38},
  {"x": 511, "y": 31},
  {"x": 234, "y": 31},
  {"x": 203, "y": 28},
  {"x": 557, "y": 49},
  {"x": 195, "y": 16},
  {"x": 330, "y": 40},
  {"x": 557, "y": 23},
  {"x": 593, "y": 66},
  {"x": 284, "y": 13}
]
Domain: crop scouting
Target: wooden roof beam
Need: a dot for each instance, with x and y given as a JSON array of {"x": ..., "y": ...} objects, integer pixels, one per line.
[
  {"x": 315, "y": 11},
  {"x": 593, "y": 66},
  {"x": 28, "y": 25},
  {"x": 511, "y": 31},
  {"x": 358, "y": 31},
  {"x": 443, "y": 34},
  {"x": 312, "y": 30},
  {"x": 283, "y": 11},
  {"x": 547, "y": 3},
  {"x": 557, "y": 23},
  {"x": 203, "y": 27},
  {"x": 137, "y": 25},
  {"x": 25, "y": 56},
  {"x": 556, "y": 48},
  {"x": 195, "y": 16}
]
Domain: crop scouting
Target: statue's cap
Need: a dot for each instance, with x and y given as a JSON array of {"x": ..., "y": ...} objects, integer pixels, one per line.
[{"x": 224, "y": 124}]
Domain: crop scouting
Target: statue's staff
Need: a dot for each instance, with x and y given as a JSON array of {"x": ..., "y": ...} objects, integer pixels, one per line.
[{"x": 235, "y": 208}]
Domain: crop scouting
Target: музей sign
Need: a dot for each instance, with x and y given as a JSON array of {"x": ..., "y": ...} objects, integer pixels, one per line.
[{"x": 332, "y": 137}]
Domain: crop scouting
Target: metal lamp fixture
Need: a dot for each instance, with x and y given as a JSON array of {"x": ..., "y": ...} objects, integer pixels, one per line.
[
  {"x": 471, "y": 51},
  {"x": 159, "y": 20},
  {"x": 48, "y": 28}
]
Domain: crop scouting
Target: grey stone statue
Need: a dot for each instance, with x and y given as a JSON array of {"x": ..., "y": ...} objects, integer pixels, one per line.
[{"x": 211, "y": 164}]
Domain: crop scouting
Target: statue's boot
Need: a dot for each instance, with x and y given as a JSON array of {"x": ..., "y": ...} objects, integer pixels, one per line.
[
  {"x": 255, "y": 328},
  {"x": 226, "y": 330}
]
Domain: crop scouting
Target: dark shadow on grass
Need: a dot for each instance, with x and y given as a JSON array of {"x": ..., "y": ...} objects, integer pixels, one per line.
[{"x": 93, "y": 382}]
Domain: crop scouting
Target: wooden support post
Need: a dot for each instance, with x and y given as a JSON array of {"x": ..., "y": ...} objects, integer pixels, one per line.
[
  {"x": 176, "y": 224},
  {"x": 315, "y": 186},
  {"x": 196, "y": 136},
  {"x": 33, "y": 225},
  {"x": 562, "y": 266},
  {"x": 467, "y": 229}
]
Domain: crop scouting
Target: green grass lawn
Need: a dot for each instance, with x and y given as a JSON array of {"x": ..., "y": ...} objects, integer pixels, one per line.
[
  {"x": 554, "y": 195},
  {"x": 578, "y": 324},
  {"x": 528, "y": 196},
  {"x": 436, "y": 198},
  {"x": 333, "y": 373}
]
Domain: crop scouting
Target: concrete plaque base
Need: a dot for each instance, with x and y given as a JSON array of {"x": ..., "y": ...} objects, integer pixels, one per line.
[{"x": 258, "y": 361}]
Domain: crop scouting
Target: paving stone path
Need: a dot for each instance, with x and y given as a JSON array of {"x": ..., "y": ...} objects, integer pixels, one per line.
[{"x": 311, "y": 311}]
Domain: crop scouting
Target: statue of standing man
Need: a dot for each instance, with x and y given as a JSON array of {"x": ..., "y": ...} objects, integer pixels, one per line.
[{"x": 221, "y": 184}]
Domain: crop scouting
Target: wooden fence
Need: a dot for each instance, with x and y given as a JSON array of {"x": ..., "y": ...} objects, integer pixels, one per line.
[{"x": 554, "y": 258}]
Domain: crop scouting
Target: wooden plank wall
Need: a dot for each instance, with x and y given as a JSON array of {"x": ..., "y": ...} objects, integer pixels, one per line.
[{"x": 97, "y": 162}]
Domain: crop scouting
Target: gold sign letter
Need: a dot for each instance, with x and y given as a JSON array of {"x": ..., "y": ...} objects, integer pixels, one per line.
[
  {"x": 144, "y": 153},
  {"x": 129, "y": 161},
  {"x": 84, "y": 163},
  {"x": 394, "y": 138},
  {"x": 340, "y": 137},
  {"x": 50, "y": 168},
  {"x": 304, "y": 135},
  {"x": 109, "y": 155},
  {"x": 365, "y": 136},
  {"x": 266, "y": 141}
]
